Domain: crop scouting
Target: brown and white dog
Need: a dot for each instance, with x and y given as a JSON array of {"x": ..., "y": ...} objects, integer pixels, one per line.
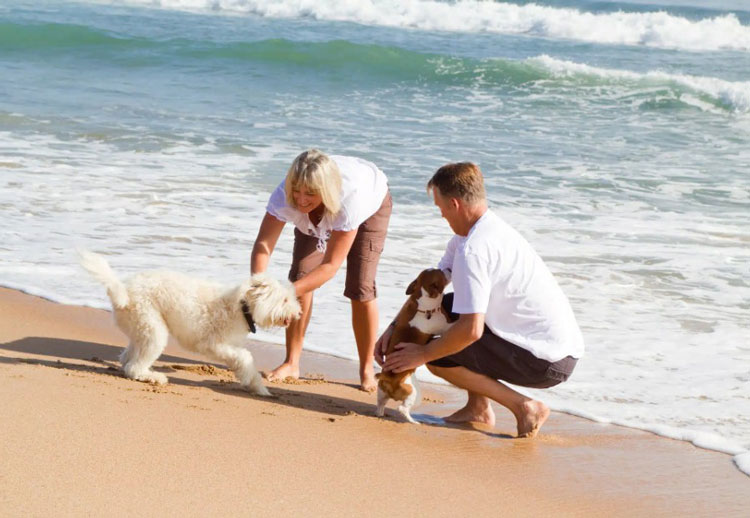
[{"x": 420, "y": 318}]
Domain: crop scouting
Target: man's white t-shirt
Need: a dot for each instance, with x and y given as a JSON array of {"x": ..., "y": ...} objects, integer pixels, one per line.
[
  {"x": 495, "y": 271},
  {"x": 363, "y": 188}
]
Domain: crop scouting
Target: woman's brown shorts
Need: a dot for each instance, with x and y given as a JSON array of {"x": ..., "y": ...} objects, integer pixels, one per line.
[{"x": 362, "y": 260}]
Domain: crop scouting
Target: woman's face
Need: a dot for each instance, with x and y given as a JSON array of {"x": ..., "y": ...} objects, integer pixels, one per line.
[{"x": 305, "y": 199}]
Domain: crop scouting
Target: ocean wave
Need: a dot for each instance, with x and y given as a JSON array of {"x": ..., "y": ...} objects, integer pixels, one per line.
[
  {"x": 734, "y": 96},
  {"x": 654, "y": 29},
  {"x": 60, "y": 37},
  {"x": 370, "y": 60},
  {"x": 393, "y": 64}
]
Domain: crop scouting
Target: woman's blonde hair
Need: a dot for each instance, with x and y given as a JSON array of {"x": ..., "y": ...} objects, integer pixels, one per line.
[{"x": 315, "y": 171}]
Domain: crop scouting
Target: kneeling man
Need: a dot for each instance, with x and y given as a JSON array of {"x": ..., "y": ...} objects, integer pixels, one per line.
[{"x": 514, "y": 322}]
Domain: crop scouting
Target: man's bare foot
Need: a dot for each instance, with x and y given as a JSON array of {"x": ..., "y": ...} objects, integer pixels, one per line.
[
  {"x": 535, "y": 413},
  {"x": 282, "y": 372},
  {"x": 472, "y": 414},
  {"x": 368, "y": 383}
]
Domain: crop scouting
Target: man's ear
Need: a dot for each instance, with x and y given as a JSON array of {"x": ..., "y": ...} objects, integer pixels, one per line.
[
  {"x": 413, "y": 286},
  {"x": 455, "y": 203}
]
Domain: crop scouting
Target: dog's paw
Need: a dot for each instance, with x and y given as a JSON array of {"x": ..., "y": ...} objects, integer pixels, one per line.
[
  {"x": 406, "y": 414},
  {"x": 259, "y": 390},
  {"x": 155, "y": 378}
]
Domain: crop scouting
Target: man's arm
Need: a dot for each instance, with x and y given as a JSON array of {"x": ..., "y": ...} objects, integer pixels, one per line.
[
  {"x": 467, "y": 330},
  {"x": 464, "y": 332}
]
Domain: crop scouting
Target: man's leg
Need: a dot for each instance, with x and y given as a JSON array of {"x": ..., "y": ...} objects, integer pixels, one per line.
[
  {"x": 295, "y": 336},
  {"x": 477, "y": 410},
  {"x": 365, "y": 326},
  {"x": 530, "y": 414}
]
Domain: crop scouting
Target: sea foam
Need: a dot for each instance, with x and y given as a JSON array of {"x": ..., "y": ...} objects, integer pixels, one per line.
[
  {"x": 655, "y": 29},
  {"x": 733, "y": 94}
]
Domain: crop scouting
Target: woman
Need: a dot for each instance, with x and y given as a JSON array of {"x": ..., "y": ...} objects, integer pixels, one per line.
[{"x": 340, "y": 207}]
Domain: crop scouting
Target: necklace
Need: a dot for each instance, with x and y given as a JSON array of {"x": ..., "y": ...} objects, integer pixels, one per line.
[{"x": 316, "y": 215}]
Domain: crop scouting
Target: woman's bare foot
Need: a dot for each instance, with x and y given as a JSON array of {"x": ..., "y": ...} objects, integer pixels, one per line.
[
  {"x": 473, "y": 414},
  {"x": 283, "y": 371},
  {"x": 534, "y": 414},
  {"x": 368, "y": 383}
]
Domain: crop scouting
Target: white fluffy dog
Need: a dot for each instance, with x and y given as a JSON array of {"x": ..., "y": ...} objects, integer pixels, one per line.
[{"x": 201, "y": 315}]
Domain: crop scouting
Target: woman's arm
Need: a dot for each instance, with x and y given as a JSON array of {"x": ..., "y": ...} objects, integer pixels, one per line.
[
  {"x": 337, "y": 248},
  {"x": 268, "y": 234}
]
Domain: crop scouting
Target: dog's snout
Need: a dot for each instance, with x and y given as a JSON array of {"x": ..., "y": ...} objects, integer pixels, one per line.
[{"x": 434, "y": 289}]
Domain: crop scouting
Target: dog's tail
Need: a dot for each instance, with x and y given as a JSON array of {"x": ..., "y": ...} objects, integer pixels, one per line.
[{"x": 100, "y": 270}]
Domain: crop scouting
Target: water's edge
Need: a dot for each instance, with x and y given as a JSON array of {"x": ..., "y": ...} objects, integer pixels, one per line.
[{"x": 740, "y": 456}]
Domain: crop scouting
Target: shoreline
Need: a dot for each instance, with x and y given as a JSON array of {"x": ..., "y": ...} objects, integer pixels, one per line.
[
  {"x": 199, "y": 441},
  {"x": 703, "y": 440}
]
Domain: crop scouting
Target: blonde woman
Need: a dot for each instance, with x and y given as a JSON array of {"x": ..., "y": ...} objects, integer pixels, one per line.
[{"x": 340, "y": 207}]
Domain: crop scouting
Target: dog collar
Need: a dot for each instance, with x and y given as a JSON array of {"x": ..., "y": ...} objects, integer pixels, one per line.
[
  {"x": 249, "y": 317},
  {"x": 429, "y": 312}
]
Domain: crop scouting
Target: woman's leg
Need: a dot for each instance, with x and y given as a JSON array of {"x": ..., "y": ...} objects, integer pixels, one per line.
[
  {"x": 365, "y": 326},
  {"x": 295, "y": 337},
  {"x": 305, "y": 257},
  {"x": 361, "y": 269}
]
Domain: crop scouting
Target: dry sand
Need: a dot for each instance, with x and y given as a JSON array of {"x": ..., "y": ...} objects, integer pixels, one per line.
[{"x": 76, "y": 438}]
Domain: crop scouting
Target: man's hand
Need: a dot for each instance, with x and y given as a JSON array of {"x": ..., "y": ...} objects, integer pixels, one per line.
[
  {"x": 405, "y": 357},
  {"x": 382, "y": 344}
]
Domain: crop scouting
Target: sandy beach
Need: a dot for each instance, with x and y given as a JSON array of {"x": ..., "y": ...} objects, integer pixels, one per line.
[{"x": 79, "y": 439}]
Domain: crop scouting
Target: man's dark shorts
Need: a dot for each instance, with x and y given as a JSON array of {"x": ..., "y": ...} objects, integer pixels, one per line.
[{"x": 502, "y": 360}]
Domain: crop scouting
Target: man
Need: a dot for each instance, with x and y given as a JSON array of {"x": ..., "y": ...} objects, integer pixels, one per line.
[{"x": 514, "y": 322}]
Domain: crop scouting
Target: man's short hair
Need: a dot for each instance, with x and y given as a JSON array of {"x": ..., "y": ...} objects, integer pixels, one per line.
[{"x": 462, "y": 180}]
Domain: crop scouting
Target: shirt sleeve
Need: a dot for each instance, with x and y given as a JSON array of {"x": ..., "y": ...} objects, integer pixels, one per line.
[
  {"x": 471, "y": 284},
  {"x": 277, "y": 206},
  {"x": 446, "y": 263}
]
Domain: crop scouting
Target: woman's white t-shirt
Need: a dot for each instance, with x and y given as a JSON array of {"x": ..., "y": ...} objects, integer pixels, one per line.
[
  {"x": 363, "y": 188},
  {"x": 495, "y": 271}
]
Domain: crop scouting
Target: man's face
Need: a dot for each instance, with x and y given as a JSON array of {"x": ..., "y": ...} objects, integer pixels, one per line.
[{"x": 447, "y": 208}]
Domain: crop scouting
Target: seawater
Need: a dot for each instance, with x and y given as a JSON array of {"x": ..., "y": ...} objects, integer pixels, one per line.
[{"x": 615, "y": 136}]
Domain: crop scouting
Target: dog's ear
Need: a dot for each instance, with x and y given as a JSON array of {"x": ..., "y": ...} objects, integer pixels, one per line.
[{"x": 413, "y": 286}]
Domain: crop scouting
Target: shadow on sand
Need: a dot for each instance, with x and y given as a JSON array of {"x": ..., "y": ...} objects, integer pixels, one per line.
[{"x": 103, "y": 359}]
